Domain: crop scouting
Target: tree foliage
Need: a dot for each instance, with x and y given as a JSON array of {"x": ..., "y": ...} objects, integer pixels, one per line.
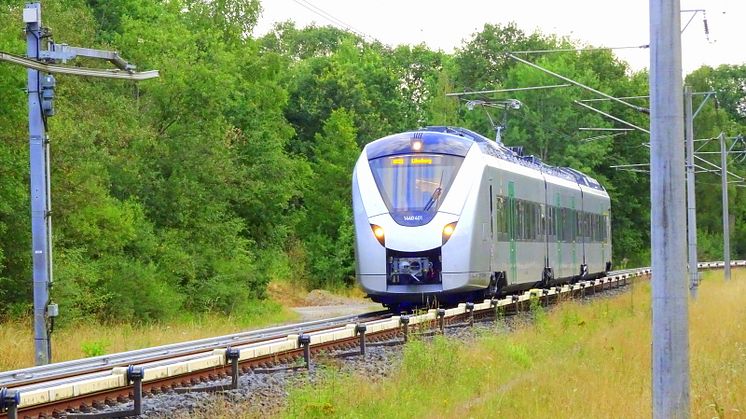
[{"x": 192, "y": 191}]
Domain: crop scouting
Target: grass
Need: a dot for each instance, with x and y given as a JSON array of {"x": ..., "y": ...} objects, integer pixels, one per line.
[
  {"x": 578, "y": 360},
  {"x": 92, "y": 339}
]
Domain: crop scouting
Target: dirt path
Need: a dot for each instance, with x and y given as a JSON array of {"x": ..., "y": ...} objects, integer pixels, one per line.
[
  {"x": 309, "y": 313},
  {"x": 319, "y": 304}
]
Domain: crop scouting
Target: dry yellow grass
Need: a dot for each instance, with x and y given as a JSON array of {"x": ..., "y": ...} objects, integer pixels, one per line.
[
  {"x": 16, "y": 338},
  {"x": 578, "y": 361},
  {"x": 87, "y": 339}
]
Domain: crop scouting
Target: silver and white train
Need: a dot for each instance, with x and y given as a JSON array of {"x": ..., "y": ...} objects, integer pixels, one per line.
[{"x": 444, "y": 215}]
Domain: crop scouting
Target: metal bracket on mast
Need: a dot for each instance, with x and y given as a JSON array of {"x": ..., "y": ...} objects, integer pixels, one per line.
[{"x": 78, "y": 71}]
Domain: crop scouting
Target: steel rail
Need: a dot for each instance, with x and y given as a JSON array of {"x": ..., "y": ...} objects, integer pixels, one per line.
[{"x": 50, "y": 372}]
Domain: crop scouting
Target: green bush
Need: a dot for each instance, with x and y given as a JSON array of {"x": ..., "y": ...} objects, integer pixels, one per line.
[
  {"x": 709, "y": 246},
  {"x": 95, "y": 348}
]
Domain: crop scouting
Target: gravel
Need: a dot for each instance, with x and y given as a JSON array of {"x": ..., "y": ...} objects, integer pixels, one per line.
[{"x": 265, "y": 392}]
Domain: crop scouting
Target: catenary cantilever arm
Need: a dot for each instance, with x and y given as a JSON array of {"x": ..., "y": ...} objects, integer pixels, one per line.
[{"x": 78, "y": 71}]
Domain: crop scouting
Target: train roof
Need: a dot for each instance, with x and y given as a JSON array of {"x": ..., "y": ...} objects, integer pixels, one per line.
[{"x": 458, "y": 141}]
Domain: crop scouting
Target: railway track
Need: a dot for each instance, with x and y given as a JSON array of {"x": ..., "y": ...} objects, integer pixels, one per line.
[
  {"x": 92, "y": 383},
  {"x": 60, "y": 370}
]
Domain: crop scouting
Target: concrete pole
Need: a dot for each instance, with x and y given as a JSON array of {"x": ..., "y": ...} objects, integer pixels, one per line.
[
  {"x": 670, "y": 358},
  {"x": 726, "y": 215},
  {"x": 691, "y": 199},
  {"x": 39, "y": 188}
]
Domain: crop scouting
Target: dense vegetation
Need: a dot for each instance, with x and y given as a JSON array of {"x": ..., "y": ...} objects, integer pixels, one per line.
[{"x": 193, "y": 191}]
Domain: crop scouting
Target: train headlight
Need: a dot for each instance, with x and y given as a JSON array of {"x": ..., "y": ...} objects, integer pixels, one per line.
[
  {"x": 448, "y": 231},
  {"x": 416, "y": 145},
  {"x": 378, "y": 232}
]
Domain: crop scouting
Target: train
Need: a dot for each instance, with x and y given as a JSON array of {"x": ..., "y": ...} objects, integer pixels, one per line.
[{"x": 445, "y": 215}]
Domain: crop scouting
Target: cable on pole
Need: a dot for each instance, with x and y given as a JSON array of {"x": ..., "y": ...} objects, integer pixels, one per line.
[{"x": 334, "y": 20}]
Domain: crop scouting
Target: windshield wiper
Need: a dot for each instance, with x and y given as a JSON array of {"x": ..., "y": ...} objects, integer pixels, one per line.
[{"x": 435, "y": 196}]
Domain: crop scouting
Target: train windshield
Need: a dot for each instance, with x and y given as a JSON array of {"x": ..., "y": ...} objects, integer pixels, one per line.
[{"x": 415, "y": 184}]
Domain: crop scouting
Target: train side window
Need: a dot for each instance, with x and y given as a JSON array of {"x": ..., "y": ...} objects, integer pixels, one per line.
[
  {"x": 542, "y": 221},
  {"x": 509, "y": 218},
  {"x": 504, "y": 218},
  {"x": 525, "y": 219},
  {"x": 534, "y": 224},
  {"x": 593, "y": 227},
  {"x": 575, "y": 232},
  {"x": 499, "y": 216},
  {"x": 573, "y": 222},
  {"x": 553, "y": 223},
  {"x": 563, "y": 224},
  {"x": 606, "y": 229},
  {"x": 520, "y": 224}
]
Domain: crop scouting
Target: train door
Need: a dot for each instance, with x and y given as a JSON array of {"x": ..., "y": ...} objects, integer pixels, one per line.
[
  {"x": 512, "y": 213},
  {"x": 545, "y": 223},
  {"x": 573, "y": 239},
  {"x": 606, "y": 236},
  {"x": 581, "y": 228},
  {"x": 492, "y": 227},
  {"x": 559, "y": 235}
]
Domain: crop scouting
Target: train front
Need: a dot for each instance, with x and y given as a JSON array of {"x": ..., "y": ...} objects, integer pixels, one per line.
[{"x": 409, "y": 192}]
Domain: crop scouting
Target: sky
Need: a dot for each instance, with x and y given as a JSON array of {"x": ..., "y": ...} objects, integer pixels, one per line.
[{"x": 445, "y": 24}]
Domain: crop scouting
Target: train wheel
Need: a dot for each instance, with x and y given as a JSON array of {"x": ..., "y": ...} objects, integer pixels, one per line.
[
  {"x": 583, "y": 271},
  {"x": 491, "y": 290},
  {"x": 547, "y": 277},
  {"x": 497, "y": 282}
]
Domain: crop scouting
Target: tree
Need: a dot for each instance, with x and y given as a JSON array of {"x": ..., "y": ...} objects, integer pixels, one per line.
[
  {"x": 327, "y": 227},
  {"x": 356, "y": 78},
  {"x": 15, "y": 237},
  {"x": 482, "y": 63}
]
